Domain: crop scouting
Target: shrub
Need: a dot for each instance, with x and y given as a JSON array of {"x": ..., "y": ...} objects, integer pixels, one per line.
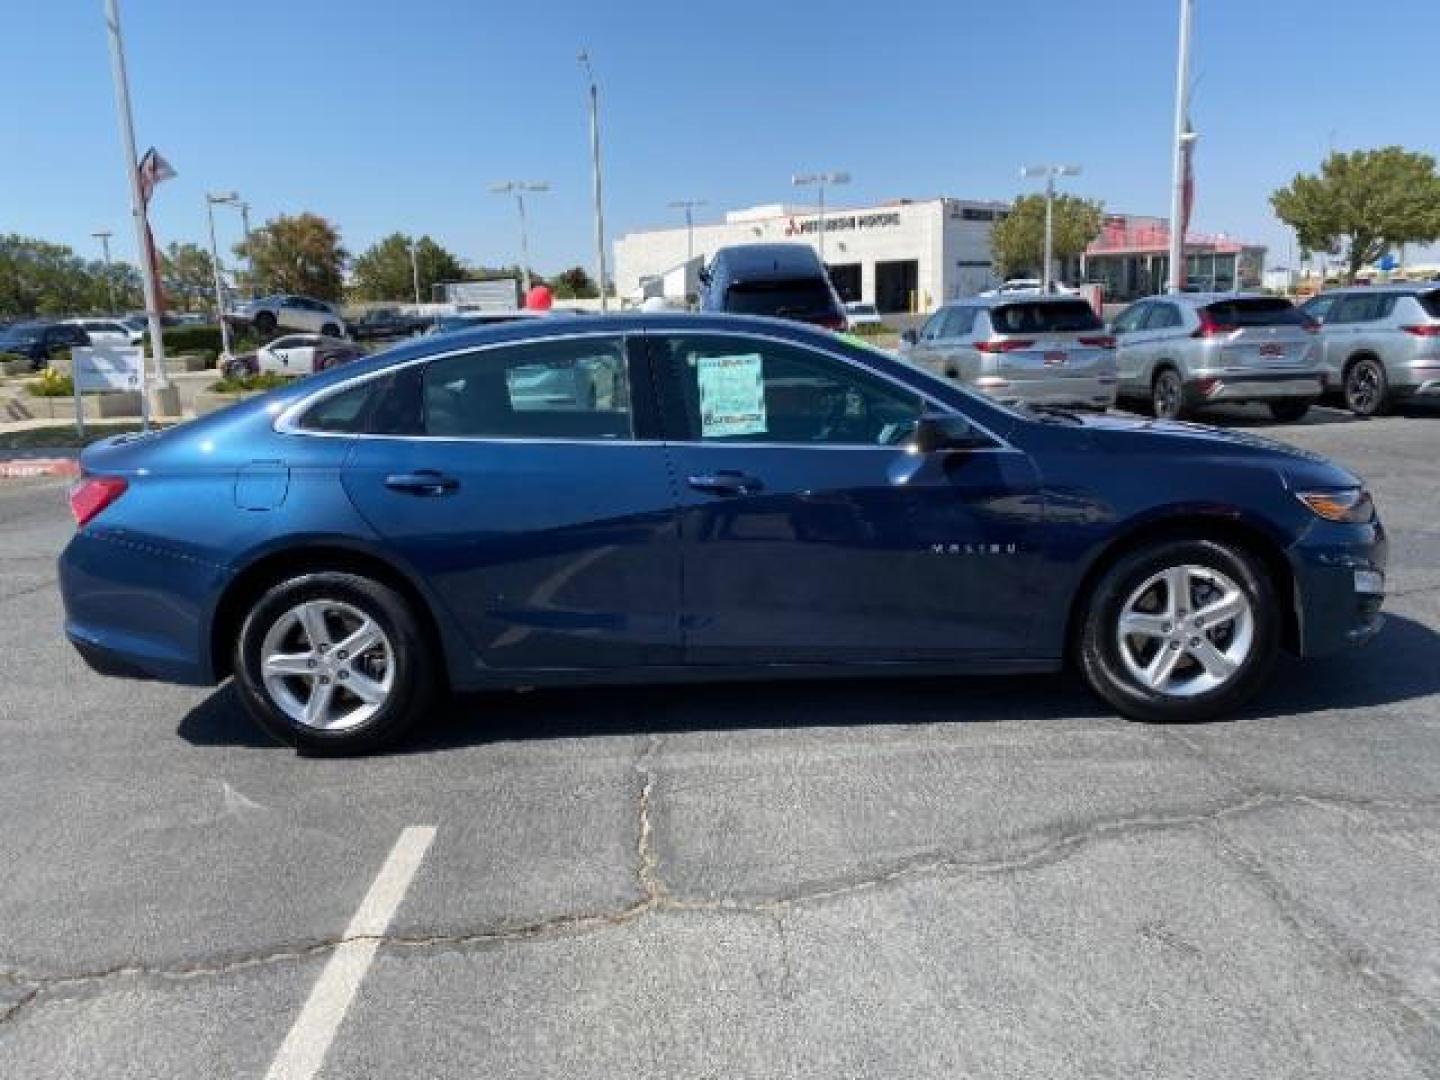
[
  {"x": 179, "y": 339},
  {"x": 871, "y": 329},
  {"x": 267, "y": 381},
  {"x": 52, "y": 384}
]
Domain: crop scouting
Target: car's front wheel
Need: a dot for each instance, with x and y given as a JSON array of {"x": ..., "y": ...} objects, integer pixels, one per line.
[
  {"x": 334, "y": 663},
  {"x": 265, "y": 324},
  {"x": 1180, "y": 630}
]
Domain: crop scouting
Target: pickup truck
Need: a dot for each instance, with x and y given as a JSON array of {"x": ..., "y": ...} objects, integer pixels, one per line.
[{"x": 379, "y": 323}]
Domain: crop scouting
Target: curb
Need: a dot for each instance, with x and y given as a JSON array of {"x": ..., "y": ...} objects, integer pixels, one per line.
[{"x": 26, "y": 468}]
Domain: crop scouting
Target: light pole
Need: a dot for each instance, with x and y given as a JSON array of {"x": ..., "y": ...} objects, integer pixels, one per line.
[
  {"x": 137, "y": 206},
  {"x": 103, "y": 235},
  {"x": 584, "y": 59},
  {"x": 415, "y": 271},
  {"x": 688, "y": 205},
  {"x": 1183, "y": 140},
  {"x": 1050, "y": 172},
  {"x": 820, "y": 180},
  {"x": 518, "y": 189},
  {"x": 249, "y": 251},
  {"x": 211, "y": 200}
]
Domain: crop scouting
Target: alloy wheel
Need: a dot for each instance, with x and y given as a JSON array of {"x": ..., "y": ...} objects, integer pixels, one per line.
[
  {"x": 1363, "y": 389},
  {"x": 327, "y": 665},
  {"x": 1185, "y": 631},
  {"x": 1167, "y": 395}
]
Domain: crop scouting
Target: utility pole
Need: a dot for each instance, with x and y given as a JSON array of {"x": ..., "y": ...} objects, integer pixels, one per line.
[
  {"x": 1049, "y": 172},
  {"x": 103, "y": 235},
  {"x": 820, "y": 180},
  {"x": 518, "y": 189},
  {"x": 415, "y": 271},
  {"x": 249, "y": 251},
  {"x": 1183, "y": 139},
  {"x": 689, "y": 205},
  {"x": 211, "y": 200},
  {"x": 595, "y": 169},
  {"x": 137, "y": 208}
]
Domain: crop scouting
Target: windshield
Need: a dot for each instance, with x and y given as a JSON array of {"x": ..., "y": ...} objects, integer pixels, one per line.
[
  {"x": 1255, "y": 311},
  {"x": 797, "y": 298},
  {"x": 1041, "y": 317}
]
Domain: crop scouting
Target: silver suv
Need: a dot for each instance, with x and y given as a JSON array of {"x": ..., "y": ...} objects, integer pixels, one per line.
[
  {"x": 1379, "y": 343},
  {"x": 1046, "y": 350},
  {"x": 1181, "y": 352},
  {"x": 297, "y": 313}
]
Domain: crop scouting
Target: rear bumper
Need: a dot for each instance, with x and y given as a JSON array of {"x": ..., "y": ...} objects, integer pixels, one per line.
[
  {"x": 1339, "y": 575},
  {"x": 1219, "y": 386},
  {"x": 1076, "y": 391}
]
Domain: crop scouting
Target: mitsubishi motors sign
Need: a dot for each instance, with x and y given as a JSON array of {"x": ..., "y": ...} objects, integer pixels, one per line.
[{"x": 883, "y": 219}]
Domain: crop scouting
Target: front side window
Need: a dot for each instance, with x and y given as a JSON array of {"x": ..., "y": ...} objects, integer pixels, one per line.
[
  {"x": 959, "y": 322},
  {"x": 752, "y": 390},
  {"x": 1318, "y": 308},
  {"x": 569, "y": 388}
]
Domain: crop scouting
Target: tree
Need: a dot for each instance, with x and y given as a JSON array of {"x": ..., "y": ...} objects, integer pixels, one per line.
[
  {"x": 41, "y": 278},
  {"x": 383, "y": 271},
  {"x": 189, "y": 274},
  {"x": 1018, "y": 240},
  {"x": 1366, "y": 202},
  {"x": 297, "y": 254},
  {"x": 573, "y": 284}
]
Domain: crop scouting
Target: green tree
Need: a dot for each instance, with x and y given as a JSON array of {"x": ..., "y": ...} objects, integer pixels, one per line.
[
  {"x": 1366, "y": 202},
  {"x": 41, "y": 278},
  {"x": 189, "y": 275},
  {"x": 383, "y": 271},
  {"x": 297, "y": 254},
  {"x": 1018, "y": 241},
  {"x": 573, "y": 284}
]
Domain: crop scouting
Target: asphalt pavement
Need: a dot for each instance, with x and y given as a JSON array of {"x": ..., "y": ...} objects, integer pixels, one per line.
[{"x": 899, "y": 878}]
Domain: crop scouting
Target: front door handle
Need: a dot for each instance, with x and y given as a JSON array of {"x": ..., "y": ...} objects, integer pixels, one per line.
[
  {"x": 726, "y": 482},
  {"x": 427, "y": 482}
]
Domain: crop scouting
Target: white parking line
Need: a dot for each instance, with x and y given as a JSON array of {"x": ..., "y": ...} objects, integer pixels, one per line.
[{"x": 305, "y": 1047}]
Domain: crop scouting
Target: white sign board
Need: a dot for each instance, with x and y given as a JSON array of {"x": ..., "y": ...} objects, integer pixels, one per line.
[
  {"x": 732, "y": 395},
  {"x": 108, "y": 367}
]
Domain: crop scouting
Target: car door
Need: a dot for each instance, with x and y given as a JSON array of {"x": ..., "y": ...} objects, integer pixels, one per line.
[
  {"x": 548, "y": 530},
  {"x": 1319, "y": 309},
  {"x": 1131, "y": 353},
  {"x": 276, "y": 357},
  {"x": 923, "y": 352},
  {"x": 809, "y": 532}
]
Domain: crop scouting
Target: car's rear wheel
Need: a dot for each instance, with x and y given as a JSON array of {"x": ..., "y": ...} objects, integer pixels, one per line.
[
  {"x": 330, "y": 330},
  {"x": 1367, "y": 391},
  {"x": 238, "y": 369},
  {"x": 1287, "y": 412},
  {"x": 334, "y": 663},
  {"x": 265, "y": 323},
  {"x": 1180, "y": 630},
  {"x": 1167, "y": 395}
]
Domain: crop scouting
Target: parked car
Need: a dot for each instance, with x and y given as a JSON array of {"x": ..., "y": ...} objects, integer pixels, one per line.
[
  {"x": 109, "y": 331},
  {"x": 859, "y": 314},
  {"x": 40, "y": 341},
  {"x": 417, "y": 522},
  {"x": 295, "y": 354},
  {"x": 1181, "y": 352},
  {"x": 289, "y": 313},
  {"x": 379, "y": 324},
  {"x": 1050, "y": 350},
  {"x": 1027, "y": 287},
  {"x": 475, "y": 320},
  {"x": 1379, "y": 344},
  {"x": 786, "y": 281}
]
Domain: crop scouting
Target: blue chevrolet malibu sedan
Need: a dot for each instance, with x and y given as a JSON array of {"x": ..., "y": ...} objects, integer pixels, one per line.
[{"x": 643, "y": 498}]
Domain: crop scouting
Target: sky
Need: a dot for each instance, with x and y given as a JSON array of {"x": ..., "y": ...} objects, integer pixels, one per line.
[{"x": 386, "y": 116}]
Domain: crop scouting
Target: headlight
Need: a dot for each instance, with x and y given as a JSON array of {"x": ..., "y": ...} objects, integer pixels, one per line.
[{"x": 1351, "y": 505}]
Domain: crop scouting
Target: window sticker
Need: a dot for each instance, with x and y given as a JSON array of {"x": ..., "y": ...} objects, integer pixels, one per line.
[{"x": 732, "y": 395}]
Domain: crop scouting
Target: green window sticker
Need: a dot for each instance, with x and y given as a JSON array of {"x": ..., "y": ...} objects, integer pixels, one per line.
[{"x": 732, "y": 395}]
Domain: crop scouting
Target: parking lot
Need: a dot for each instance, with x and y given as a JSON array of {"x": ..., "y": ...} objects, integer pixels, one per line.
[{"x": 981, "y": 877}]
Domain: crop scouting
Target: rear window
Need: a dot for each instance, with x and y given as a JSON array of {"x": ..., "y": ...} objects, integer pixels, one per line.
[
  {"x": 1430, "y": 301},
  {"x": 1255, "y": 311},
  {"x": 1044, "y": 317},
  {"x": 792, "y": 299}
]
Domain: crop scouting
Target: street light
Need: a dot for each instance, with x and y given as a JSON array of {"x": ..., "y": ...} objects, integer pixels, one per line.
[
  {"x": 820, "y": 180},
  {"x": 249, "y": 250},
  {"x": 103, "y": 235},
  {"x": 1050, "y": 172},
  {"x": 415, "y": 271},
  {"x": 584, "y": 59},
  {"x": 518, "y": 189},
  {"x": 212, "y": 199},
  {"x": 688, "y": 205}
]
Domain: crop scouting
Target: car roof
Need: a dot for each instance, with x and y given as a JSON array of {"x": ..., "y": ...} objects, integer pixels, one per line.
[
  {"x": 1018, "y": 298},
  {"x": 756, "y": 261},
  {"x": 1405, "y": 288}
]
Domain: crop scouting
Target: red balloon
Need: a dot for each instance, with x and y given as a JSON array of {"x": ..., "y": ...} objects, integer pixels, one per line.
[{"x": 539, "y": 298}]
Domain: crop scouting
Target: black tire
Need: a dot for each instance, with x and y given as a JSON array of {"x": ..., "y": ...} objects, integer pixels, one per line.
[
  {"x": 1167, "y": 395},
  {"x": 1098, "y": 646},
  {"x": 1367, "y": 390},
  {"x": 415, "y": 673},
  {"x": 238, "y": 369},
  {"x": 264, "y": 324},
  {"x": 331, "y": 330},
  {"x": 1287, "y": 412}
]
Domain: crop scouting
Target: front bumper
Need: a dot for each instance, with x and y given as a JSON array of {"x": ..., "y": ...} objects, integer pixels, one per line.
[{"x": 1339, "y": 575}]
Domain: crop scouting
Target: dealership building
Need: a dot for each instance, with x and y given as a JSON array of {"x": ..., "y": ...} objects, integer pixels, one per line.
[{"x": 904, "y": 255}]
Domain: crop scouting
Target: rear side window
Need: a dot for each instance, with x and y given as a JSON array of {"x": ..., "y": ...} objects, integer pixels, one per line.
[
  {"x": 345, "y": 412},
  {"x": 958, "y": 322},
  {"x": 1255, "y": 311},
  {"x": 1430, "y": 301},
  {"x": 1053, "y": 316},
  {"x": 1163, "y": 317},
  {"x": 795, "y": 298}
]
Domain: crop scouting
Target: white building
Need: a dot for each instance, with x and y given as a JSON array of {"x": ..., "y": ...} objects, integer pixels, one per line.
[{"x": 901, "y": 256}]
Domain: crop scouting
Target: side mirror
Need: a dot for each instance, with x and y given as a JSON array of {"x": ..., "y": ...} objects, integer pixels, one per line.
[
  {"x": 704, "y": 275},
  {"x": 936, "y": 432},
  {"x": 910, "y": 337}
]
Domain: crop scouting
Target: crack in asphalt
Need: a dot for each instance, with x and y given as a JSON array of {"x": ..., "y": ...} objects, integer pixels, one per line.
[{"x": 656, "y": 897}]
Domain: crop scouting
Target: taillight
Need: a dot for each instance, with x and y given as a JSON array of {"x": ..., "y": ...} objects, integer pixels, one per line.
[
  {"x": 1008, "y": 345},
  {"x": 1100, "y": 341},
  {"x": 1423, "y": 330},
  {"x": 93, "y": 494},
  {"x": 1310, "y": 326},
  {"x": 1210, "y": 328}
]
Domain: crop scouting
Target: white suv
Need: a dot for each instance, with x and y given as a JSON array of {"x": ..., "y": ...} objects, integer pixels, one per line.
[{"x": 301, "y": 313}]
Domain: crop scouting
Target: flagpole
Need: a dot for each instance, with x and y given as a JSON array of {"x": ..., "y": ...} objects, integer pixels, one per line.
[
  {"x": 1182, "y": 138},
  {"x": 137, "y": 210}
]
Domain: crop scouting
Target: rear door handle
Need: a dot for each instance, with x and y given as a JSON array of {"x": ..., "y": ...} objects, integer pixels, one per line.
[
  {"x": 726, "y": 482},
  {"x": 427, "y": 482}
]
